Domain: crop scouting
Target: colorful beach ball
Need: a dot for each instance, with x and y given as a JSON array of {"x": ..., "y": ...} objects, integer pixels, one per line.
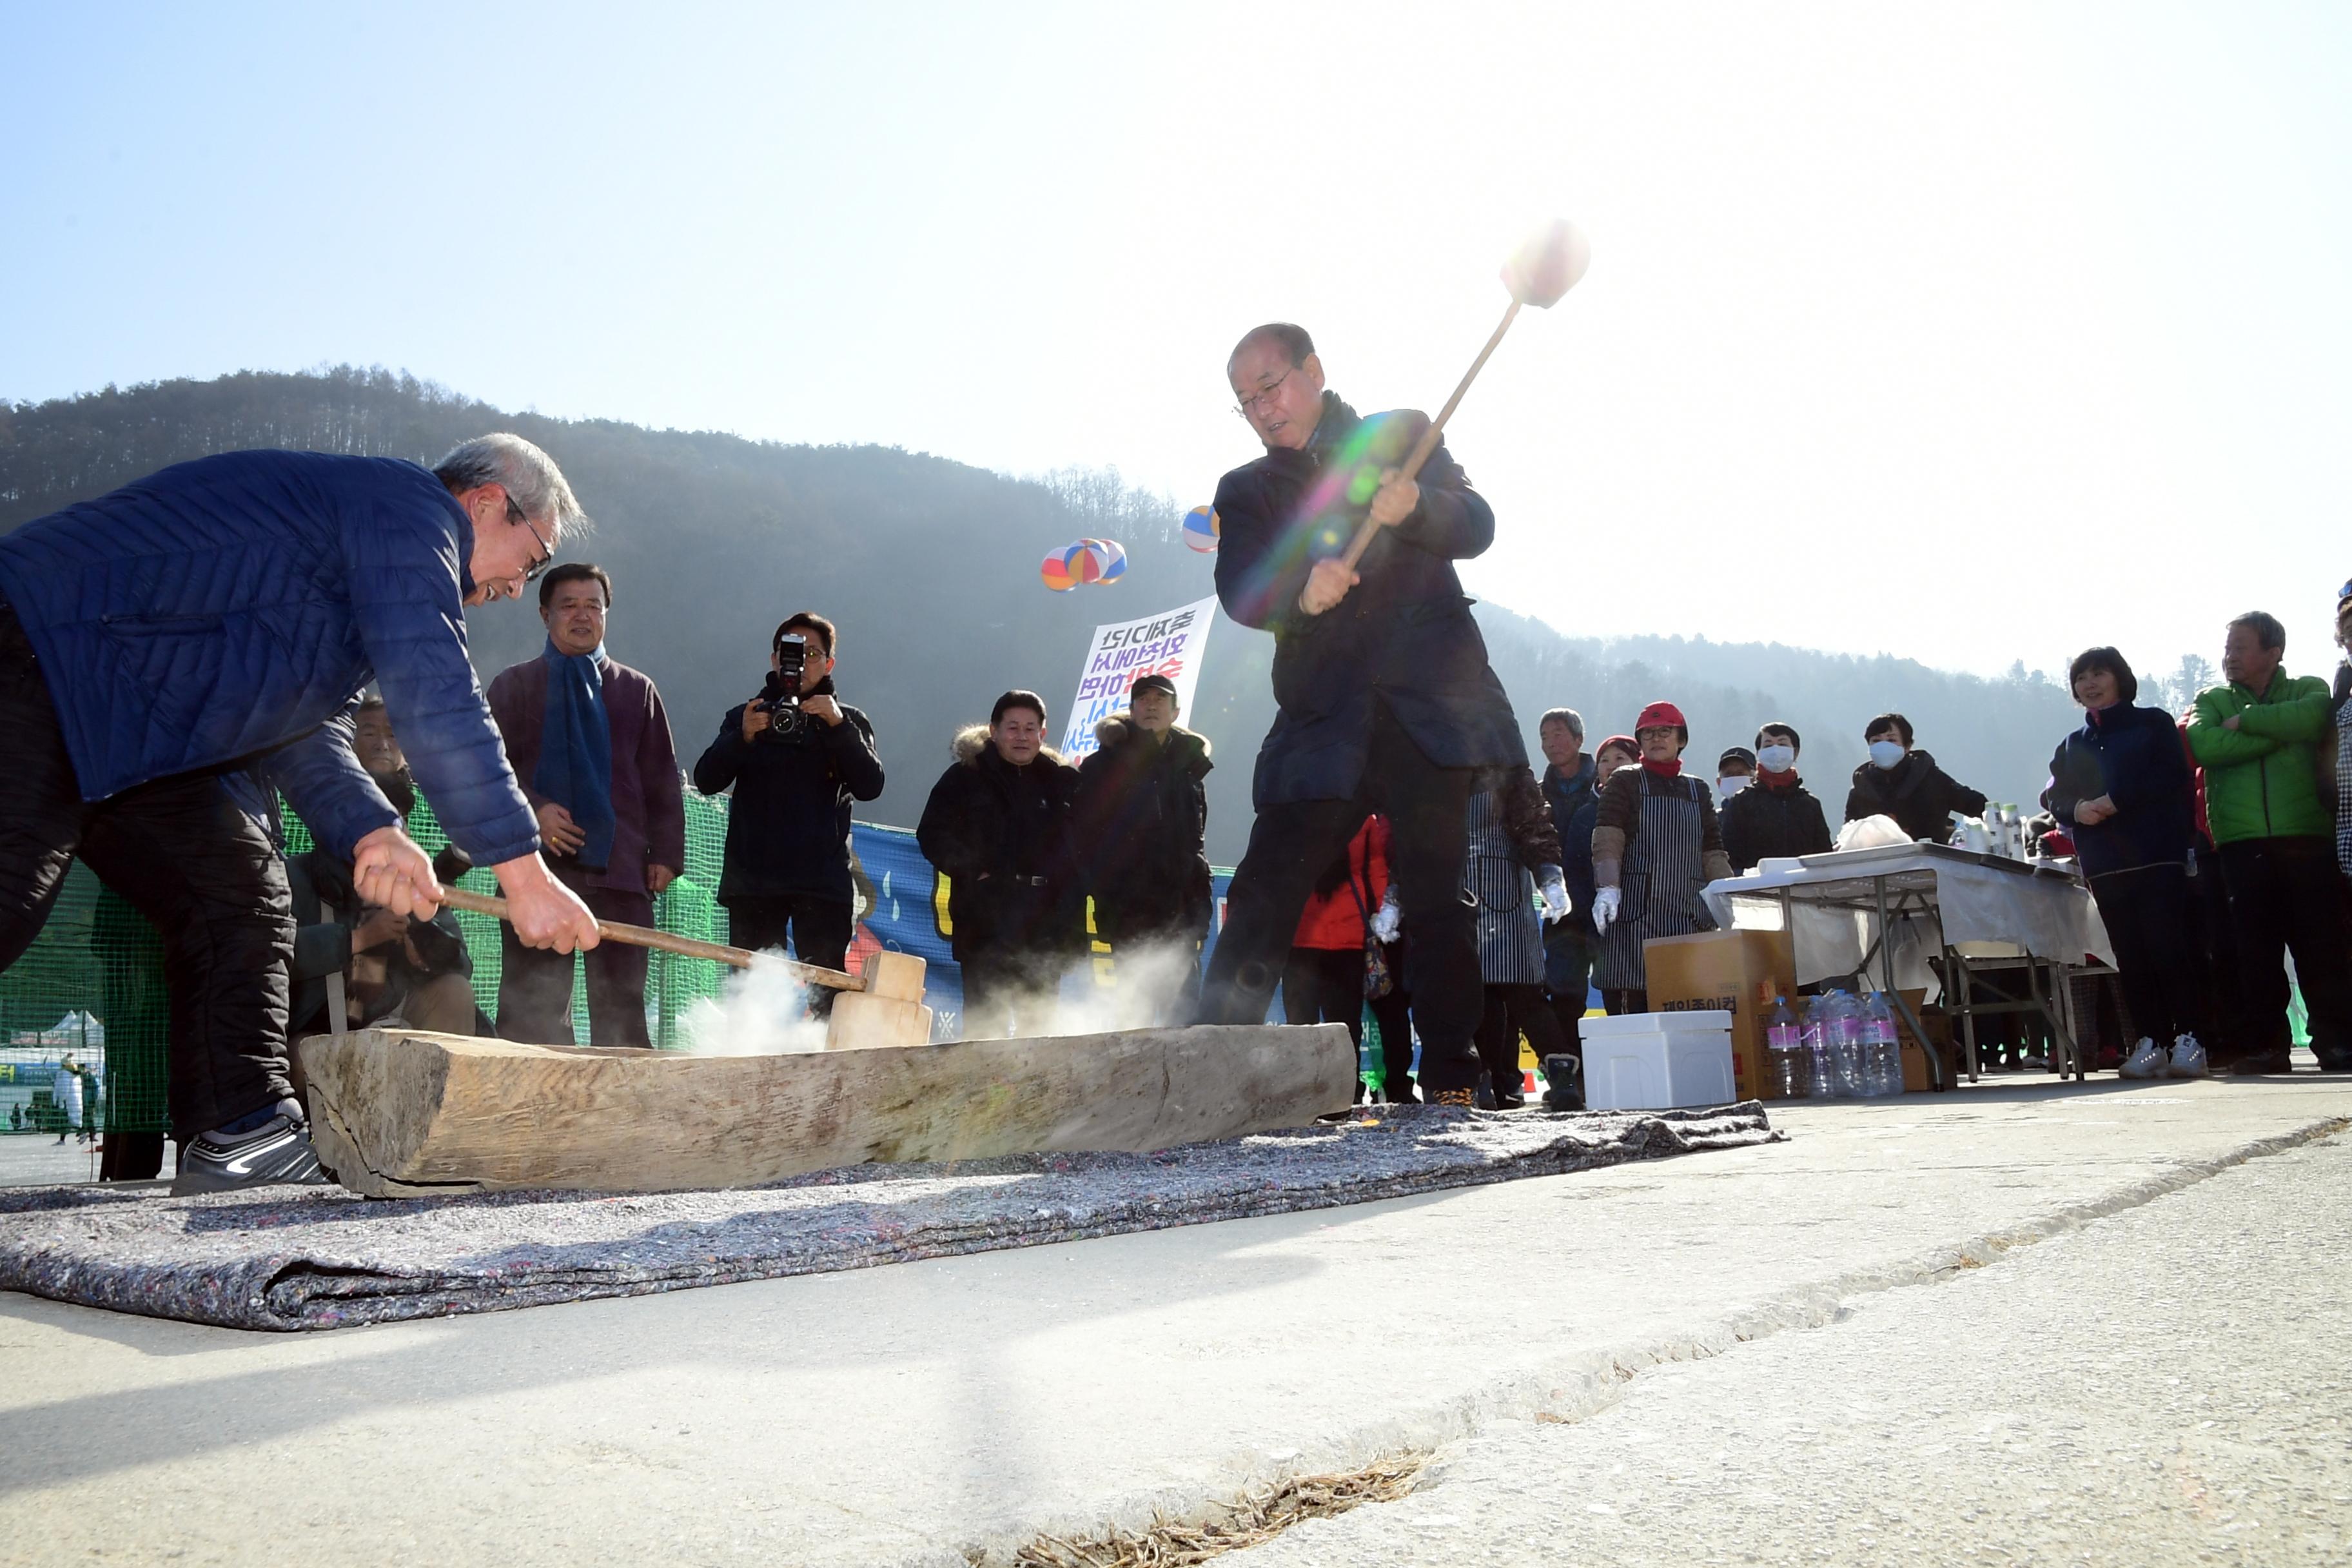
[
  {"x": 1057, "y": 572},
  {"x": 1200, "y": 528},
  {"x": 1102, "y": 561}
]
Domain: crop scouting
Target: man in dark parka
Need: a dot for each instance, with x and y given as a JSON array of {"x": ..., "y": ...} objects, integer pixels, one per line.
[
  {"x": 1141, "y": 818},
  {"x": 1386, "y": 700}
]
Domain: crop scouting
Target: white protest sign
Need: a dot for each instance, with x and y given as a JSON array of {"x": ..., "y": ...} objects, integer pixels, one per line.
[{"x": 1170, "y": 643}]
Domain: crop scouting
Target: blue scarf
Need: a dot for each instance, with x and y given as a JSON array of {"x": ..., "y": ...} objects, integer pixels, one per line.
[{"x": 575, "y": 750}]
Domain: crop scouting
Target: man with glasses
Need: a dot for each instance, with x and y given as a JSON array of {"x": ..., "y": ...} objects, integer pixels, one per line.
[
  {"x": 590, "y": 744},
  {"x": 1386, "y": 700},
  {"x": 166, "y": 646}
]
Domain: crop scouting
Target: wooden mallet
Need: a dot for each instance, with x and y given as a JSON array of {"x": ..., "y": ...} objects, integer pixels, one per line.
[
  {"x": 1544, "y": 267},
  {"x": 883, "y": 1007}
]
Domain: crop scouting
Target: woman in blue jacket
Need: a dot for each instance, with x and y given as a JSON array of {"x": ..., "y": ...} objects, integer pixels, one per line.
[{"x": 2123, "y": 784}]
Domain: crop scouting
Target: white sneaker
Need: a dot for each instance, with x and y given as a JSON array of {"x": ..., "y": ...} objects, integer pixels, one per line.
[
  {"x": 2147, "y": 1060},
  {"x": 2188, "y": 1058}
]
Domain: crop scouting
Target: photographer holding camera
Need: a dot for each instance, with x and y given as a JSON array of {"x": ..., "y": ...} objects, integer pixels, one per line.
[{"x": 797, "y": 758}]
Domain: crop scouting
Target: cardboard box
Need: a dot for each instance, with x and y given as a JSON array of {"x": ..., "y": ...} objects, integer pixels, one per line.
[
  {"x": 1740, "y": 972},
  {"x": 1915, "y": 1056}
]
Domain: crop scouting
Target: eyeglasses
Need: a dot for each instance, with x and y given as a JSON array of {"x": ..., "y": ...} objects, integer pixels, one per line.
[
  {"x": 1263, "y": 394},
  {"x": 546, "y": 551}
]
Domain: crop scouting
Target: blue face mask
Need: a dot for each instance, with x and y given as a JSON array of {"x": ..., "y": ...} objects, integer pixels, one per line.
[{"x": 1887, "y": 754}]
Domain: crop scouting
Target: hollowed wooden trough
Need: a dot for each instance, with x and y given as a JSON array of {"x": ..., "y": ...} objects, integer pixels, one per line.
[{"x": 400, "y": 1113}]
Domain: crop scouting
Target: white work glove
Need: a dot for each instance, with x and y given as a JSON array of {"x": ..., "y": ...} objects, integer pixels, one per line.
[
  {"x": 1604, "y": 908},
  {"x": 1386, "y": 920},
  {"x": 1554, "y": 889}
]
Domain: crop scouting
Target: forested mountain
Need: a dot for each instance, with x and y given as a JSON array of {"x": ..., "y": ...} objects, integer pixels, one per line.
[{"x": 930, "y": 569}]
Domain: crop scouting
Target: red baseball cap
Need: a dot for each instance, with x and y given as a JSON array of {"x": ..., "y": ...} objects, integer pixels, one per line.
[{"x": 1662, "y": 713}]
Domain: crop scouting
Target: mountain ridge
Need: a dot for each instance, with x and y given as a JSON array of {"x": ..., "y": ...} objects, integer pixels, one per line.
[{"x": 930, "y": 566}]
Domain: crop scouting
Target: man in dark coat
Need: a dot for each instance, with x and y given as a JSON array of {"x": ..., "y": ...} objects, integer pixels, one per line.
[
  {"x": 1569, "y": 781},
  {"x": 1386, "y": 700},
  {"x": 787, "y": 870},
  {"x": 226, "y": 612},
  {"x": 1777, "y": 816},
  {"x": 1142, "y": 819},
  {"x": 1907, "y": 785},
  {"x": 591, "y": 744},
  {"x": 998, "y": 826}
]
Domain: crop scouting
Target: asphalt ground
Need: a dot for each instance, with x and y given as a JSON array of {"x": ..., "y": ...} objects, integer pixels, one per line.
[{"x": 945, "y": 1411}]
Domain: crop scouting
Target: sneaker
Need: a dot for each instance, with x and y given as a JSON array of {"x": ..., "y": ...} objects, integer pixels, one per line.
[
  {"x": 278, "y": 1150},
  {"x": 2147, "y": 1060},
  {"x": 1564, "y": 1083},
  {"x": 1464, "y": 1098},
  {"x": 2188, "y": 1058}
]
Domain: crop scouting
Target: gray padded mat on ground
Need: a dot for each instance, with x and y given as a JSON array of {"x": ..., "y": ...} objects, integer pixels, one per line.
[{"x": 318, "y": 1258}]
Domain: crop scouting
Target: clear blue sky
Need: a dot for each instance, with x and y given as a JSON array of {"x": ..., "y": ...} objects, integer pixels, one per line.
[{"x": 1967, "y": 333}]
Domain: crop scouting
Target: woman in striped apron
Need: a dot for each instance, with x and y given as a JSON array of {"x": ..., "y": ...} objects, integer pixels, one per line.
[
  {"x": 1655, "y": 843},
  {"x": 1512, "y": 845}
]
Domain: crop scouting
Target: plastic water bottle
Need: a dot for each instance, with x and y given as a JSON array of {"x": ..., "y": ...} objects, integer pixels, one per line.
[
  {"x": 1845, "y": 1036},
  {"x": 1821, "y": 1062},
  {"x": 1882, "y": 1051},
  {"x": 1791, "y": 1072}
]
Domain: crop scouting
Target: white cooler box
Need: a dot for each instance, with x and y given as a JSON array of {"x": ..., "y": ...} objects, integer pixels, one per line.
[{"x": 1654, "y": 1061}]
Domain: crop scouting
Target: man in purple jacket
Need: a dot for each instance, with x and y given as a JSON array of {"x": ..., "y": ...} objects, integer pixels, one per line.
[{"x": 591, "y": 745}]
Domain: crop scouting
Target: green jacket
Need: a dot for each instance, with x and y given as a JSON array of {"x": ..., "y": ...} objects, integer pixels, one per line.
[{"x": 2261, "y": 779}]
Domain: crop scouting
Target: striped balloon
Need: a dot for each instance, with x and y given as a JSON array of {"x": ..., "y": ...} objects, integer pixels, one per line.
[
  {"x": 1057, "y": 572},
  {"x": 1200, "y": 528}
]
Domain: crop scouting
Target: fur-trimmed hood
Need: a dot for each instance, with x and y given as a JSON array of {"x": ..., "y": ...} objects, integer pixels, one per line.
[
  {"x": 1117, "y": 729},
  {"x": 973, "y": 739}
]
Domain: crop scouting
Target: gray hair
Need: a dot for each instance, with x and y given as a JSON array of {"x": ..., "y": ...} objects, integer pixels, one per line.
[
  {"x": 1568, "y": 716},
  {"x": 526, "y": 473},
  {"x": 2268, "y": 632}
]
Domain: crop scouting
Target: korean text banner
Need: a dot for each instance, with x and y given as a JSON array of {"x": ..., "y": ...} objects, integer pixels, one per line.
[{"x": 1170, "y": 643}]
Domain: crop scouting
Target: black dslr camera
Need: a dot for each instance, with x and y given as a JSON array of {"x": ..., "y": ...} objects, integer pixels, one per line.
[{"x": 781, "y": 699}]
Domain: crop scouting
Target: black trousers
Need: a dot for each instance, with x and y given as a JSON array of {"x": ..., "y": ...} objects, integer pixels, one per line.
[
  {"x": 535, "y": 983},
  {"x": 1428, "y": 811},
  {"x": 819, "y": 929},
  {"x": 183, "y": 853},
  {"x": 1010, "y": 991},
  {"x": 2214, "y": 943},
  {"x": 1511, "y": 1011},
  {"x": 1567, "y": 980},
  {"x": 2147, "y": 919},
  {"x": 1326, "y": 985},
  {"x": 2286, "y": 895}
]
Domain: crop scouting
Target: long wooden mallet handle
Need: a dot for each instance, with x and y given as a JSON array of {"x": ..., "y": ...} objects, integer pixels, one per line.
[
  {"x": 683, "y": 946},
  {"x": 1429, "y": 437}
]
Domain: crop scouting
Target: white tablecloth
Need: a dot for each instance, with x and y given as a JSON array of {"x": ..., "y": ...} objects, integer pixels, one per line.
[{"x": 1988, "y": 909}]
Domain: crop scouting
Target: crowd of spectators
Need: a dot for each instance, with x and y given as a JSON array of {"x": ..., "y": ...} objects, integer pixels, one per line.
[{"x": 2217, "y": 846}]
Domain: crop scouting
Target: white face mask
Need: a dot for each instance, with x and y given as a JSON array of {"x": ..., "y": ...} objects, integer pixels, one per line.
[
  {"x": 1780, "y": 759},
  {"x": 1886, "y": 753},
  {"x": 1728, "y": 787}
]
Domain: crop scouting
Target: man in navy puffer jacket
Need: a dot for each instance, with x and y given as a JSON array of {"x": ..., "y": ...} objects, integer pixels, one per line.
[{"x": 163, "y": 645}]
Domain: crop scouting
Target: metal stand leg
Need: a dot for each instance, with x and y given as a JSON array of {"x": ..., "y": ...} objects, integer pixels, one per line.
[
  {"x": 1956, "y": 967},
  {"x": 2071, "y": 1054},
  {"x": 1910, "y": 1019}
]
